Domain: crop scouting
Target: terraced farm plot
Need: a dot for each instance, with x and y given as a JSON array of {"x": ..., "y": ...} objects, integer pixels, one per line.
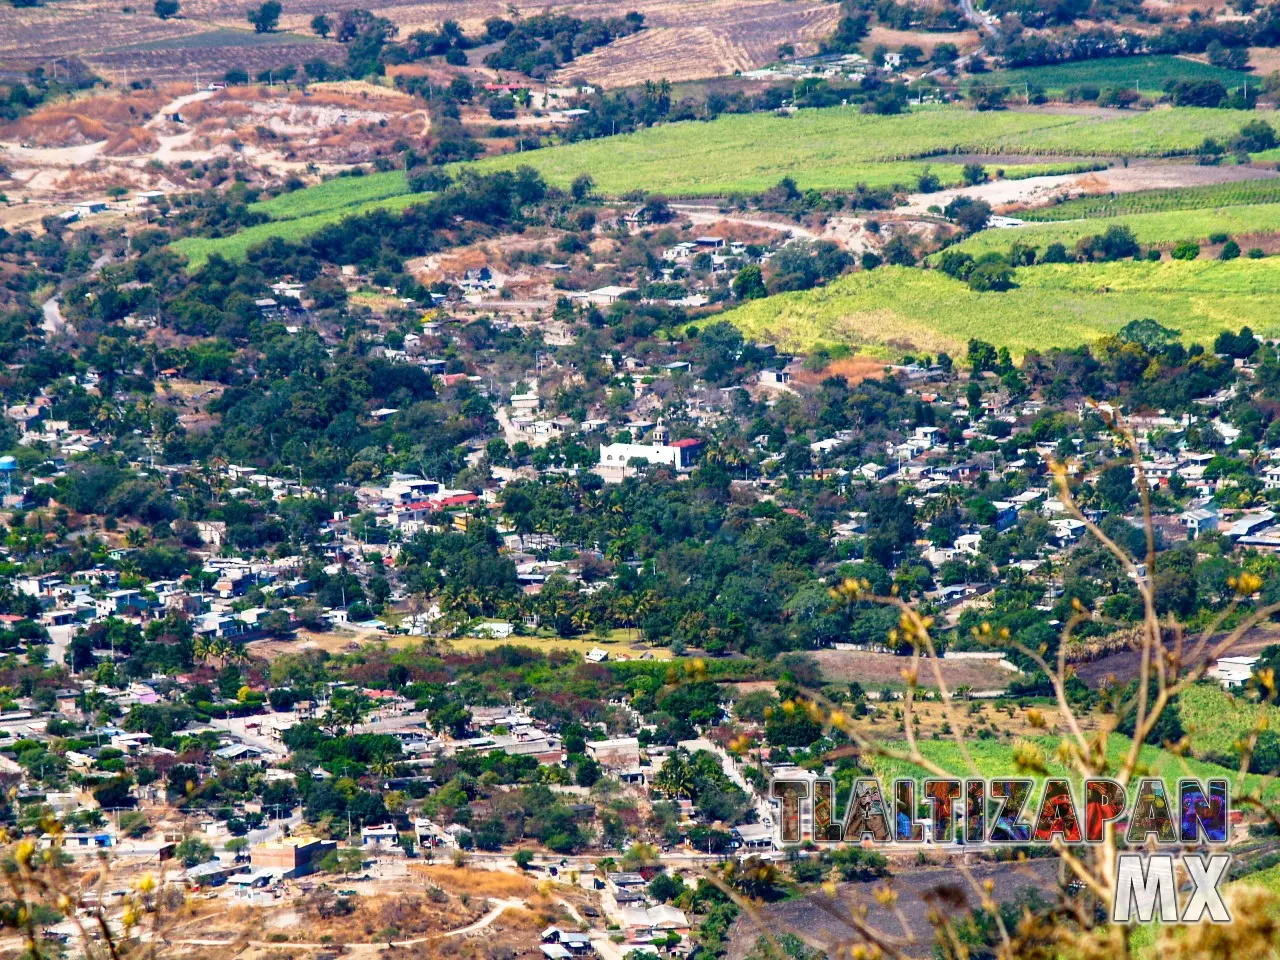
[
  {"x": 1149, "y": 228},
  {"x": 209, "y": 54},
  {"x": 38, "y": 33},
  {"x": 710, "y": 38},
  {"x": 837, "y": 148},
  {"x": 1237, "y": 193},
  {"x": 691, "y": 42},
  {"x": 1148, "y": 74},
  {"x": 897, "y": 309}
]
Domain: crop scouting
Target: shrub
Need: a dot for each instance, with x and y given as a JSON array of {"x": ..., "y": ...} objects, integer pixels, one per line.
[
  {"x": 1055, "y": 253},
  {"x": 991, "y": 277},
  {"x": 1230, "y": 250},
  {"x": 1255, "y": 253},
  {"x": 1186, "y": 250}
]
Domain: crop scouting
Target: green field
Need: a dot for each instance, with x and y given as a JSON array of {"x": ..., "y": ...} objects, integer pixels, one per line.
[
  {"x": 234, "y": 247},
  {"x": 897, "y": 309},
  {"x": 1149, "y": 228},
  {"x": 1215, "y": 720},
  {"x": 1239, "y": 193},
  {"x": 333, "y": 195},
  {"x": 1147, "y": 74},
  {"x": 994, "y": 758},
  {"x": 824, "y": 149},
  {"x": 838, "y": 147}
]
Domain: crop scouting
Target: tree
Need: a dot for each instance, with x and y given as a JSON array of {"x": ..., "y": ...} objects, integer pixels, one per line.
[
  {"x": 899, "y": 252},
  {"x": 969, "y": 215},
  {"x": 982, "y": 356},
  {"x": 991, "y": 276},
  {"x": 264, "y": 18},
  {"x": 749, "y": 283},
  {"x": 344, "y": 860},
  {"x": 166, "y": 8},
  {"x": 944, "y": 54},
  {"x": 192, "y": 851},
  {"x": 321, "y": 25},
  {"x": 974, "y": 174},
  {"x": 1115, "y": 485},
  {"x": 582, "y": 187},
  {"x": 523, "y": 858},
  {"x": 588, "y": 772}
]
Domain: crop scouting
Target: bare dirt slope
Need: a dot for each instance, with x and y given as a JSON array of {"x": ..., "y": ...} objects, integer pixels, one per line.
[{"x": 1009, "y": 195}]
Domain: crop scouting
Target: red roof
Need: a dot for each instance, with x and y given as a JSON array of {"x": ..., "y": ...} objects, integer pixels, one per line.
[
  {"x": 439, "y": 503},
  {"x": 457, "y": 500},
  {"x": 687, "y": 442},
  {"x": 451, "y": 378}
]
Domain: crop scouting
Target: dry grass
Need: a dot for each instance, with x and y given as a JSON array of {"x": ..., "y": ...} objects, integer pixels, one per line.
[
  {"x": 473, "y": 882},
  {"x": 87, "y": 119},
  {"x": 131, "y": 143},
  {"x": 926, "y": 41},
  {"x": 853, "y": 369},
  {"x": 1264, "y": 60}
]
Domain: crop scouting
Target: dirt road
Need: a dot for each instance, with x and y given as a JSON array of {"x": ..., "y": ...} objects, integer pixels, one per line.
[
  {"x": 1039, "y": 191},
  {"x": 849, "y": 232}
]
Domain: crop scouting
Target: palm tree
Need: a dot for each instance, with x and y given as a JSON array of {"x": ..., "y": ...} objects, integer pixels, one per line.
[
  {"x": 675, "y": 779},
  {"x": 384, "y": 765}
]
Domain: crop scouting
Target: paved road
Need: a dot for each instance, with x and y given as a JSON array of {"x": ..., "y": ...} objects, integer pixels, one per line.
[
  {"x": 53, "y": 322},
  {"x": 978, "y": 20}
]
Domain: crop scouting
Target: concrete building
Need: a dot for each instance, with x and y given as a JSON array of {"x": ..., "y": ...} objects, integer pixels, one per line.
[
  {"x": 618, "y": 754},
  {"x": 291, "y": 856},
  {"x": 616, "y": 458}
]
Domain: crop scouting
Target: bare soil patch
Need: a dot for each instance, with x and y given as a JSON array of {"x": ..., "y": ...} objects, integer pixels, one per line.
[
  {"x": 853, "y": 369},
  {"x": 1123, "y": 666},
  {"x": 874, "y": 670},
  {"x": 819, "y": 920}
]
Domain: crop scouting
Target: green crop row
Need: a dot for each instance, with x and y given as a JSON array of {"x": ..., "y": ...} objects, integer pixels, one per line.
[{"x": 1236, "y": 193}]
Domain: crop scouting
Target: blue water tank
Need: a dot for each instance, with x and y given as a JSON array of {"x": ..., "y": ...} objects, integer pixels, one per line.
[{"x": 8, "y": 463}]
